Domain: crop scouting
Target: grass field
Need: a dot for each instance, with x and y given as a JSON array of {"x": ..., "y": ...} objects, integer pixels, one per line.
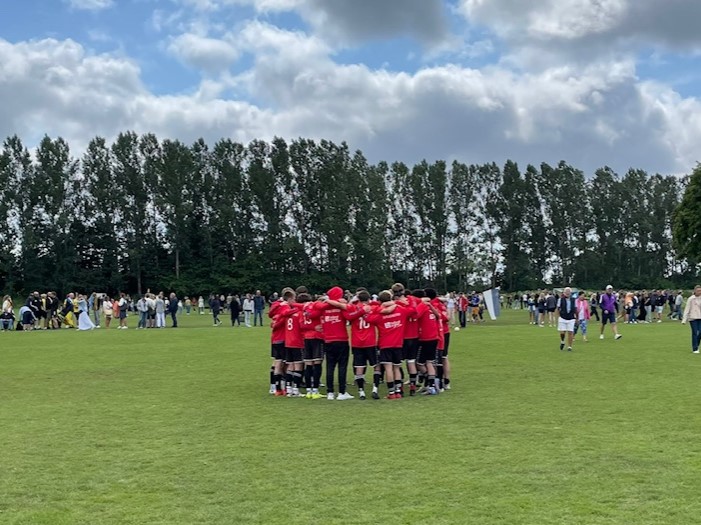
[{"x": 177, "y": 427}]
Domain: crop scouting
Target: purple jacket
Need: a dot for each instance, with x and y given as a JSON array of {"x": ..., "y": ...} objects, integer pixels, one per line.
[{"x": 608, "y": 302}]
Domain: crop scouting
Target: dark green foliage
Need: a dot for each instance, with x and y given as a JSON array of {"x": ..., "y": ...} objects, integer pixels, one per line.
[{"x": 142, "y": 214}]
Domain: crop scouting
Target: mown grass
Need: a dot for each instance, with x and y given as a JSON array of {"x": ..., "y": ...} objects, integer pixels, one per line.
[{"x": 176, "y": 426}]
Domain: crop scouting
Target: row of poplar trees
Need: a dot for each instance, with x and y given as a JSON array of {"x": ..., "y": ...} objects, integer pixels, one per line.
[{"x": 143, "y": 213}]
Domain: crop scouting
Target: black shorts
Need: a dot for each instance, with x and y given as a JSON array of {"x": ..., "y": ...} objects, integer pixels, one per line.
[
  {"x": 151, "y": 315},
  {"x": 391, "y": 356},
  {"x": 277, "y": 351},
  {"x": 608, "y": 318},
  {"x": 364, "y": 356},
  {"x": 446, "y": 343},
  {"x": 313, "y": 350},
  {"x": 27, "y": 318},
  {"x": 551, "y": 310},
  {"x": 293, "y": 355},
  {"x": 410, "y": 350},
  {"x": 427, "y": 353},
  {"x": 41, "y": 314}
]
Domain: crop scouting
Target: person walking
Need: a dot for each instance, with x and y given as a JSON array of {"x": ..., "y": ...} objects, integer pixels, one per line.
[
  {"x": 583, "y": 315},
  {"x": 567, "y": 318},
  {"x": 692, "y": 315},
  {"x": 678, "y": 302},
  {"x": 215, "y": 307},
  {"x": 607, "y": 302}
]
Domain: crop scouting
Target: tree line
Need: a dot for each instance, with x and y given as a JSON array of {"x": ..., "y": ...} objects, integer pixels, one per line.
[{"x": 142, "y": 213}]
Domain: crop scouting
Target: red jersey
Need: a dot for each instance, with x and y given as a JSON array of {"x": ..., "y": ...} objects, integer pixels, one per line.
[
  {"x": 333, "y": 322},
  {"x": 462, "y": 304},
  {"x": 443, "y": 325},
  {"x": 391, "y": 326},
  {"x": 277, "y": 335},
  {"x": 311, "y": 327},
  {"x": 293, "y": 330},
  {"x": 363, "y": 333},
  {"x": 411, "y": 330},
  {"x": 428, "y": 324}
]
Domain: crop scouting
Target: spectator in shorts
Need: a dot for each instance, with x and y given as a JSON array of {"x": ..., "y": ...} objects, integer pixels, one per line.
[
  {"x": 607, "y": 302},
  {"x": 567, "y": 318},
  {"x": 123, "y": 307},
  {"x": 107, "y": 310}
]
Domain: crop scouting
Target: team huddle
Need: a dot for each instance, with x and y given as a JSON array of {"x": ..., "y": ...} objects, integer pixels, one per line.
[{"x": 395, "y": 327}]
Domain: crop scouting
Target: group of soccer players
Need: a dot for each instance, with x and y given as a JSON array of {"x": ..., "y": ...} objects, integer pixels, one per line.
[{"x": 395, "y": 328}]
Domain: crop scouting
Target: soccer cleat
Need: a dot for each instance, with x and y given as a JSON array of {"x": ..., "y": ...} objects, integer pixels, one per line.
[
  {"x": 562, "y": 346},
  {"x": 361, "y": 395},
  {"x": 280, "y": 393},
  {"x": 330, "y": 396},
  {"x": 569, "y": 348},
  {"x": 393, "y": 396},
  {"x": 272, "y": 390},
  {"x": 618, "y": 336},
  {"x": 344, "y": 397},
  {"x": 694, "y": 351},
  {"x": 447, "y": 387},
  {"x": 412, "y": 390},
  {"x": 601, "y": 336},
  {"x": 375, "y": 395}
]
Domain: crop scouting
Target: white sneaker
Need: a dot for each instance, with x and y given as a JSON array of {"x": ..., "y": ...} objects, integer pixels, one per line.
[
  {"x": 330, "y": 396},
  {"x": 694, "y": 351},
  {"x": 618, "y": 337},
  {"x": 272, "y": 390},
  {"x": 601, "y": 336},
  {"x": 344, "y": 397}
]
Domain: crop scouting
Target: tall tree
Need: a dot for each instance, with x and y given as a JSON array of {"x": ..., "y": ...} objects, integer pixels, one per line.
[{"x": 687, "y": 220}]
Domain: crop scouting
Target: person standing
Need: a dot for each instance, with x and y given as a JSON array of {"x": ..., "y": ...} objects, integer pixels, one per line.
[
  {"x": 160, "y": 311},
  {"x": 692, "y": 314},
  {"x": 567, "y": 318},
  {"x": 607, "y": 302},
  {"x": 123, "y": 307},
  {"x": 200, "y": 305},
  {"x": 258, "y": 308},
  {"x": 174, "y": 307},
  {"x": 142, "y": 308},
  {"x": 550, "y": 306},
  {"x": 235, "y": 309},
  {"x": 188, "y": 306},
  {"x": 336, "y": 347},
  {"x": 108, "y": 311},
  {"x": 248, "y": 309},
  {"x": 462, "y": 309}
]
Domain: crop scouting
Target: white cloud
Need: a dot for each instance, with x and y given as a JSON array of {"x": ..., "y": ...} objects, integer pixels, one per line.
[
  {"x": 589, "y": 116},
  {"x": 207, "y": 54},
  {"x": 672, "y": 23},
  {"x": 91, "y": 5},
  {"x": 346, "y": 22}
]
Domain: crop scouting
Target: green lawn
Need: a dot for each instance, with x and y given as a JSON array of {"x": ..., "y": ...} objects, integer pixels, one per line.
[{"x": 177, "y": 427}]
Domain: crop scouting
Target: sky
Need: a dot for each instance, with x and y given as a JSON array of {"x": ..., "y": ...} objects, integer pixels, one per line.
[{"x": 593, "y": 82}]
